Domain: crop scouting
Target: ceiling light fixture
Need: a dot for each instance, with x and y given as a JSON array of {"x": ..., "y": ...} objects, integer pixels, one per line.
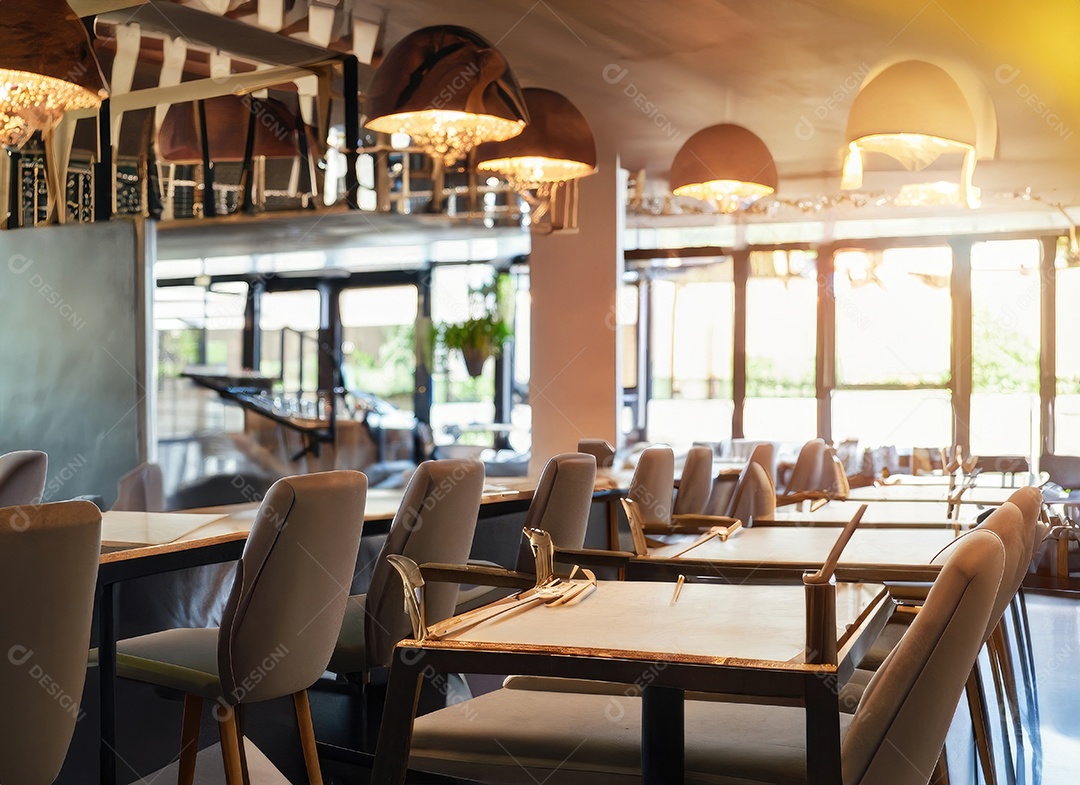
[
  {"x": 914, "y": 112},
  {"x": 47, "y": 67},
  {"x": 450, "y": 90},
  {"x": 725, "y": 164},
  {"x": 556, "y": 146},
  {"x": 547, "y": 159}
]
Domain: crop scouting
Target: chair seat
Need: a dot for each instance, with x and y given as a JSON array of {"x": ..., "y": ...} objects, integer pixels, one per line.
[
  {"x": 183, "y": 659},
  {"x": 350, "y": 652},
  {"x": 597, "y": 739}
]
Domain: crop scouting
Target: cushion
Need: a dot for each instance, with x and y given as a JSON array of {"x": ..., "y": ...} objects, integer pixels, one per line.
[
  {"x": 185, "y": 660},
  {"x": 515, "y": 736}
]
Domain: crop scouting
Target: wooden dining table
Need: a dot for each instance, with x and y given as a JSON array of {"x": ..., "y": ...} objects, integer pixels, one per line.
[
  {"x": 878, "y": 513},
  {"x": 978, "y": 495},
  {"x": 136, "y": 545},
  {"x": 743, "y": 640}
]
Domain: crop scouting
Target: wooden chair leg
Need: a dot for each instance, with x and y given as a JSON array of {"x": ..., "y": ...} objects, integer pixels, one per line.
[
  {"x": 230, "y": 747},
  {"x": 307, "y": 737},
  {"x": 189, "y": 738},
  {"x": 243, "y": 750}
]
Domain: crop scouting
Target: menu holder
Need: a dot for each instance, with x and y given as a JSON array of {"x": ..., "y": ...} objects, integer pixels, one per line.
[{"x": 820, "y": 589}]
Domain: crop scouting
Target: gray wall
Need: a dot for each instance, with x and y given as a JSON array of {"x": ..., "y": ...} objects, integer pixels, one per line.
[{"x": 73, "y": 352}]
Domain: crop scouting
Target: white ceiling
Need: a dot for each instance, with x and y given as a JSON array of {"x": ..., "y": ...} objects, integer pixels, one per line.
[{"x": 786, "y": 69}]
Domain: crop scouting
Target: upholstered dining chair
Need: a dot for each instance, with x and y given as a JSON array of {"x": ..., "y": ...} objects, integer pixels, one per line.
[
  {"x": 48, "y": 570},
  {"x": 894, "y": 738},
  {"x": 817, "y": 474},
  {"x": 695, "y": 484},
  {"x": 649, "y": 510},
  {"x": 279, "y": 626},
  {"x": 600, "y": 449},
  {"x": 141, "y": 490},
  {"x": 22, "y": 477},
  {"x": 728, "y": 500},
  {"x": 560, "y": 506},
  {"x": 435, "y": 522},
  {"x": 1014, "y": 523}
]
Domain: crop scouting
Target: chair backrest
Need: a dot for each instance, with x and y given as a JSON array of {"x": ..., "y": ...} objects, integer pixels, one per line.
[
  {"x": 1064, "y": 470},
  {"x": 48, "y": 571},
  {"x": 764, "y": 455},
  {"x": 22, "y": 477},
  {"x": 807, "y": 473},
  {"x": 141, "y": 490},
  {"x": 284, "y": 614},
  {"x": 435, "y": 523},
  {"x": 899, "y": 728},
  {"x": 754, "y": 497},
  {"x": 600, "y": 449},
  {"x": 562, "y": 501},
  {"x": 696, "y": 482},
  {"x": 1014, "y": 524},
  {"x": 653, "y": 483}
]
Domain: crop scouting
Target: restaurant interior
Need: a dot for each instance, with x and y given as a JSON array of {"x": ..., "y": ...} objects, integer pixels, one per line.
[{"x": 539, "y": 391}]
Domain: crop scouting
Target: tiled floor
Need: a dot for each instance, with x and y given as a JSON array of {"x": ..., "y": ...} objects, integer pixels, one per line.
[{"x": 150, "y": 723}]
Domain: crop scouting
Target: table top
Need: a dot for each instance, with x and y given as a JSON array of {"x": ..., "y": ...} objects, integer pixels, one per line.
[
  {"x": 930, "y": 493},
  {"x": 746, "y": 625},
  {"x": 888, "y": 513},
  {"x": 128, "y": 535},
  {"x": 811, "y": 545}
]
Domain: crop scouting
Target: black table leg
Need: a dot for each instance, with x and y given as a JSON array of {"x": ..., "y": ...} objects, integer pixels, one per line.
[
  {"x": 822, "y": 729},
  {"x": 662, "y": 735},
  {"x": 107, "y": 681},
  {"x": 395, "y": 732}
]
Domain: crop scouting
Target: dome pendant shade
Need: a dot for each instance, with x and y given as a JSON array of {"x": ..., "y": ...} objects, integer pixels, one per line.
[
  {"x": 555, "y": 147},
  {"x": 913, "y": 112},
  {"x": 449, "y": 89},
  {"x": 227, "y": 118},
  {"x": 726, "y": 164},
  {"x": 47, "y": 66}
]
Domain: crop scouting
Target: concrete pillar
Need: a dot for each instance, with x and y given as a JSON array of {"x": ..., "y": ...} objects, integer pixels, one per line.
[{"x": 575, "y": 389}]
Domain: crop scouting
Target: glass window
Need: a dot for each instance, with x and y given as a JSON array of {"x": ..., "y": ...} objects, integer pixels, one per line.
[
  {"x": 457, "y": 397},
  {"x": 893, "y": 316},
  {"x": 290, "y": 340},
  {"x": 691, "y": 343},
  {"x": 905, "y": 418},
  {"x": 197, "y": 326},
  {"x": 781, "y": 347},
  {"x": 378, "y": 342},
  {"x": 1005, "y": 289},
  {"x": 893, "y": 330},
  {"x": 1067, "y": 403}
]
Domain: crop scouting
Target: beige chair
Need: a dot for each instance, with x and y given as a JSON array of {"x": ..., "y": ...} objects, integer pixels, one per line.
[
  {"x": 22, "y": 477},
  {"x": 893, "y": 739},
  {"x": 560, "y": 506},
  {"x": 648, "y": 504},
  {"x": 724, "y": 499},
  {"x": 600, "y": 449},
  {"x": 818, "y": 474},
  {"x": 695, "y": 484},
  {"x": 435, "y": 522},
  {"x": 652, "y": 486},
  {"x": 48, "y": 570},
  {"x": 141, "y": 490},
  {"x": 280, "y": 624},
  {"x": 754, "y": 497},
  {"x": 1014, "y": 522}
]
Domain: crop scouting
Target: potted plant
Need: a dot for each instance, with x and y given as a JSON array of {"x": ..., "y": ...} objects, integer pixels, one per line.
[
  {"x": 483, "y": 334},
  {"x": 476, "y": 339}
]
